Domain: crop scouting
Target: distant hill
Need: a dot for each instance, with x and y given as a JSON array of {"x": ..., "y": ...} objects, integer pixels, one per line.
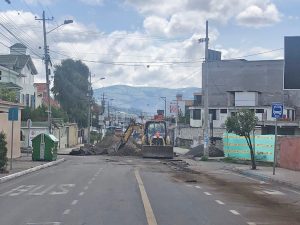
[{"x": 142, "y": 99}]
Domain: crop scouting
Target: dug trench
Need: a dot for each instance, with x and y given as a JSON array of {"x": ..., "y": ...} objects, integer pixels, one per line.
[{"x": 257, "y": 206}]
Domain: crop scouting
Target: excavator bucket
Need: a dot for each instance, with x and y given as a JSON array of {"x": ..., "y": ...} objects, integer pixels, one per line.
[{"x": 157, "y": 151}]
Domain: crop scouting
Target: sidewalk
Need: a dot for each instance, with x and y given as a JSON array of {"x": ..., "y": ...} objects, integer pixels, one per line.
[
  {"x": 282, "y": 176},
  {"x": 23, "y": 163}
]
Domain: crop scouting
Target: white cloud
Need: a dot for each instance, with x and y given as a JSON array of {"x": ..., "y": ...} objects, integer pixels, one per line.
[
  {"x": 255, "y": 16},
  {"x": 35, "y": 2},
  {"x": 92, "y": 2}
]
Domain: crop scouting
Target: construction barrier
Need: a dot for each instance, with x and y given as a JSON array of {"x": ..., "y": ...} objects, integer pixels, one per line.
[{"x": 236, "y": 147}]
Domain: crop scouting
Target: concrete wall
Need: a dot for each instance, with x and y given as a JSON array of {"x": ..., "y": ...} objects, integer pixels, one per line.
[
  {"x": 6, "y": 127},
  {"x": 289, "y": 156},
  {"x": 264, "y": 77},
  {"x": 73, "y": 135}
]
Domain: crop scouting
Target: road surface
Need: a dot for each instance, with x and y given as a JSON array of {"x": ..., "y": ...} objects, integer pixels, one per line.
[{"x": 103, "y": 190}]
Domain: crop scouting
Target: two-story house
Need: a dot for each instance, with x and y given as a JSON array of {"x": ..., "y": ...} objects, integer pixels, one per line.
[{"x": 17, "y": 71}]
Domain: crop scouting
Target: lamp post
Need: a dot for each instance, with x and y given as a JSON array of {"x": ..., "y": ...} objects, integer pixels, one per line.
[{"x": 47, "y": 61}]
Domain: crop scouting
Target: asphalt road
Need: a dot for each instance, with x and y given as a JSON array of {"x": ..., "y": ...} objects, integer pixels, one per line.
[{"x": 102, "y": 190}]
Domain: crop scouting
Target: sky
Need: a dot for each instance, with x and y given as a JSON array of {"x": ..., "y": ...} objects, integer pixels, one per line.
[{"x": 148, "y": 42}]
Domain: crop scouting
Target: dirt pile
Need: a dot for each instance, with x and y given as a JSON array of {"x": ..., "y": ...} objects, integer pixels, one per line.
[
  {"x": 108, "y": 146},
  {"x": 199, "y": 150}
]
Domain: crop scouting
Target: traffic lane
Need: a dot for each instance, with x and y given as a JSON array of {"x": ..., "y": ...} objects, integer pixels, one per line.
[
  {"x": 174, "y": 203},
  {"x": 259, "y": 202},
  {"x": 112, "y": 198},
  {"x": 46, "y": 194}
]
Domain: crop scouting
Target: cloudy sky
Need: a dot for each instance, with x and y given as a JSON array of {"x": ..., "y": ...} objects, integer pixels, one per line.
[{"x": 149, "y": 42}]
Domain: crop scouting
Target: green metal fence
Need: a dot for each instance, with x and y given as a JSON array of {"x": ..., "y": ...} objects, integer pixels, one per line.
[{"x": 236, "y": 147}]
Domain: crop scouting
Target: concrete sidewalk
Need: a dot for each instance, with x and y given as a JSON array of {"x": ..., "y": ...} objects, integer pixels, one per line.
[{"x": 282, "y": 176}]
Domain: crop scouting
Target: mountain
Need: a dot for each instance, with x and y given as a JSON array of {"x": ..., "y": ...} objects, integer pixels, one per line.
[{"x": 141, "y": 99}]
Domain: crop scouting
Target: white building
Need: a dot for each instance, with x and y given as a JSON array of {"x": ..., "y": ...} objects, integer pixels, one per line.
[{"x": 17, "y": 70}]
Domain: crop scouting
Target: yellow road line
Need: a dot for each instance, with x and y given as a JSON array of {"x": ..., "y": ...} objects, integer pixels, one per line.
[{"x": 147, "y": 206}]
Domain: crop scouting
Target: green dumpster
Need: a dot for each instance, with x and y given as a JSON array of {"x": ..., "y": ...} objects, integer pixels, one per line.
[{"x": 44, "y": 147}]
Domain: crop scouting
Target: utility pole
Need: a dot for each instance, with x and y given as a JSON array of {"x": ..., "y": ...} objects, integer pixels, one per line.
[
  {"x": 89, "y": 108},
  {"x": 165, "y": 100},
  {"x": 205, "y": 90},
  {"x": 47, "y": 60}
]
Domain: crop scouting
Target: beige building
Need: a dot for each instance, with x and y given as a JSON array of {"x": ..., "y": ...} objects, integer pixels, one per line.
[{"x": 6, "y": 127}]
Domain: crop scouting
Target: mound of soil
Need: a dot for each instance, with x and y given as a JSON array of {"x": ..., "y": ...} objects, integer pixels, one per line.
[{"x": 199, "y": 150}]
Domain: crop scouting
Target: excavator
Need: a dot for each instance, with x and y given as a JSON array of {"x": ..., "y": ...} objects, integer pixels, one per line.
[{"x": 155, "y": 141}]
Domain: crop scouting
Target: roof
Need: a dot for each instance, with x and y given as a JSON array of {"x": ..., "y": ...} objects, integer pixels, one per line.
[
  {"x": 18, "y": 45},
  {"x": 10, "y": 85},
  {"x": 17, "y": 62}
]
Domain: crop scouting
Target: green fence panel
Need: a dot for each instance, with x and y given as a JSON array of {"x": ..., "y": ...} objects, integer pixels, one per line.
[{"x": 236, "y": 147}]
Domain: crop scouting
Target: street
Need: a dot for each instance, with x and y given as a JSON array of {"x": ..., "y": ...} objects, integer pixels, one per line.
[{"x": 103, "y": 190}]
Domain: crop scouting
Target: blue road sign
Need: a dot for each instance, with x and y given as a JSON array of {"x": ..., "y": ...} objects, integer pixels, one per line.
[
  {"x": 13, "y": 114},
  {"x": 277, "y": 110}
]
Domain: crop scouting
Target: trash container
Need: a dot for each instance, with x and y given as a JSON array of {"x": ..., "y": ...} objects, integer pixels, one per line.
[{"x": 44, "y": 147}]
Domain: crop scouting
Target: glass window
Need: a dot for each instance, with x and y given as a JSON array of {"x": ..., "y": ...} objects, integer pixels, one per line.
[
  {"x": 197, "y": 114},
  {"x": 259, "y": 110},
  {"x": 223, "y": 111}
]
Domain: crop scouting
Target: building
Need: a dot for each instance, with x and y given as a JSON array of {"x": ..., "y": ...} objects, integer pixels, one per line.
[
  {"x": 17, "y": 71},
  {"x": 42, "y": 96},
  {"x": 239, "y": 84},
  {"x": 6, "y": 127}
]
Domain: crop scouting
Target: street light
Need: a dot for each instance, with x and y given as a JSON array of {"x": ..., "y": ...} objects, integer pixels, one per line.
[{"x": 47, "y": 60}]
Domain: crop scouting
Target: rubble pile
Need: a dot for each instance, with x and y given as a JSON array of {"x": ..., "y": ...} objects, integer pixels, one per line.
[
  {"x": 199, "y": 150},
  {"x": 108, "y": 145}
]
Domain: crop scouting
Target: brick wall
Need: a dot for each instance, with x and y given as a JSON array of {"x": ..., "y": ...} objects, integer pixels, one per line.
[{"x": 289, "y": 154}]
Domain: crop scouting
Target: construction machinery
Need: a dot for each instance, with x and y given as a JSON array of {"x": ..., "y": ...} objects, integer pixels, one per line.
[
  {"x": 133, "y": 126},
  {"x": 156, "y": 142}
]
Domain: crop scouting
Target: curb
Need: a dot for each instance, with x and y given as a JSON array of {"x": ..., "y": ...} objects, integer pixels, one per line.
[
  {"x": 264, "y": 178},
  {"x": 21, "y": 173}
]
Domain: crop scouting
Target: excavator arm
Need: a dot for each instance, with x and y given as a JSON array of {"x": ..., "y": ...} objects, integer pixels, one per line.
[{"x": 127, "y": 134}]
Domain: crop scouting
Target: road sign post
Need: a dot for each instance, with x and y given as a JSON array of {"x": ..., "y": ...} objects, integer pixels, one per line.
[
  {"x": 277, "y": 112},
  {"x": 13, "y": 115}
]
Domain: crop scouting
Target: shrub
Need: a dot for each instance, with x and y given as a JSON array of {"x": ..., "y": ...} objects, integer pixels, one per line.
[{"x": 3, "y": 151}]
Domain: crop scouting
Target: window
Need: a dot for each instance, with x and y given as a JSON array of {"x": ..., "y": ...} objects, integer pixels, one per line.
[
  {"x": 259, "y": 110},
  {"x": 213, "y": 112},
  {"x": 197, "y": 114},
  {"x": 0, "y": 74},
  {"x": 223, "y": 111},
  {"x": 27, "y": 99}
]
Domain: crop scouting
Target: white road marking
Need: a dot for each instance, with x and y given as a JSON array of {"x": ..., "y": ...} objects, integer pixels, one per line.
[
  {"x": 189, "y": 185},
  {"x": 90, "y": 182},
  {"x": 22, "y": 190},
  {"x": 62, "y": 189},
  {"x": 273, "y": 192},
  {"x": 67, "y": 211},
  {"x": 198, "y": 187},
  {"x": 147, "y": 206},
  {"x": 81, "y": 193},
  {"x": 74, "y": 202},
  {"x": 33, "y": 192},
  {"x": 249, "y": 178},
  {"x": 11, "y": 191},
  {"x": 220, "y": 202},
  {"x": 207, "y": 193},
  {"x": 251, "y": 223},
  {"x": 93, "y": 178},
  {"x": 234, "y": 212},
  {"x": 44, "y": 223},
  {"x": 86, "y": 187}
]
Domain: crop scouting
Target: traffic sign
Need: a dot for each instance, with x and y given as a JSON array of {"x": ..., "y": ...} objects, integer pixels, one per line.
[
  {"x": 13, "y": 114},
  {"x": 277, "y": 110}
]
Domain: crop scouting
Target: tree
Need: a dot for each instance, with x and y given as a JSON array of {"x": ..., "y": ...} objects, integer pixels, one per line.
[
  {"x": 40, "y": 113},
  {"x": 3, "y": 151},
  {"x": 71, "y": 89},
  {"x": 8, "y": 95},
  {"x": 242, "y": 124}
]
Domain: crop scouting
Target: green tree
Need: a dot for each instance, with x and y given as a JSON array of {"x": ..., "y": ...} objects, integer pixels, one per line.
[
  {"x": 3, "y": 151},
  {"x": 40, "y": 113},
  {"x": 8, "y": 95},
  {"x": 71, "y": 89},
  {"x": 242, "y": 124}
]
